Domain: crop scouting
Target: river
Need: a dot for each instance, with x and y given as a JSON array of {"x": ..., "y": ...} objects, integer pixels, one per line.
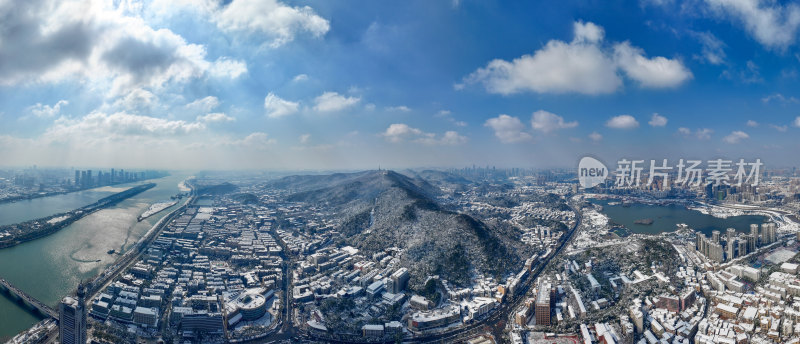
[
  {"x": 51, "y": 267},
  {"x": 666, "y": 217}
]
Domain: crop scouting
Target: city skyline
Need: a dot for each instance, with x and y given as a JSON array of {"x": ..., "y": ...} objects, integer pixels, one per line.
[{"x": 319, "y": 85}]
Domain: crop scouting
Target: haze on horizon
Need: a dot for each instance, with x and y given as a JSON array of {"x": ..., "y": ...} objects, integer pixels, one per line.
[{"x": 283, "y": 85}]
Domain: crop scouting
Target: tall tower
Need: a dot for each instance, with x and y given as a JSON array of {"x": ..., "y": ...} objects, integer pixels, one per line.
[
  {"x": 72, "y": 319},
  {"x": 754, "y": 232}
]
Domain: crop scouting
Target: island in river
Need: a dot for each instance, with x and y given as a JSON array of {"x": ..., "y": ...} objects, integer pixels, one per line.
[{"x": 11, "y": 235}]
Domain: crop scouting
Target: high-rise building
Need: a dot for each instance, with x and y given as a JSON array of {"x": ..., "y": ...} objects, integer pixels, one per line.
[
  {"x": 77, "y": 177},
  {"x": 730, "y": 245},
  {"x": 742, "y": 246},
  {"x": 72, "y": 319},
  {"x": 731, "y": 234},
  {"x": 754, "y": 232},
  {"x": 768, "y": 233},
  {"x": 399, "y": 280},
  {"x": 752, "y": 242},
  {"x": 715, "y": 236},
  {"x": 543, "y": 305},
  {"x": 730, "y": 250},
  {"x": 699, "y": 240},
  {"x": 773, "y": 232},
  {"x": 715, "y": 252}
]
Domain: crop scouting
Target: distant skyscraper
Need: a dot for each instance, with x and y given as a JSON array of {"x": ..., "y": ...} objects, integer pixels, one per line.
[
  {"x": 715, "y": 236},
  {"x": 72, "y": 319}
]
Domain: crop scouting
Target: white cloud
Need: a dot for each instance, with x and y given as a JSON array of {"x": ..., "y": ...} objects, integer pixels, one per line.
[
  {"x": 277, "y": 107},
  {"x": 748, "y": 75},
  {"x": 256, "y": 140},
  {"x": 772, "y": 24},
  {"x": 657, "y": 120},
  {"x": 216, "y": 117},
  {"x": 700, "y": 134},
  {"x": 656, "y": 72},
  {"x": 332, "y": 101},
  {"x": 228, "y": 68},
  {"x": 781, "y": 128},
  {"x": 271, "y": 18},
  {"x": 780, "y": 98},
  {"x": 450, "y": 138},
  {"x": 559, "y": 67},
  {"x": 46, "y": 111},
  {"x": 581, "y": 66},
  {"x": 399, "y": 132},
  {"x": 205, "y": 104},
  {"x": 622, "y": 122},
  {"x": 713, "y": 49},
  {"x": 508, "y": 129},
  {"x": 704, "y": 134},
  {"x": 305, "y": 138},
  {"x": 751, "y": 123},
  {"x": 797, "y": 122},
  {"x": 401, "y": 108},
  {"x": 453, "y": 138},
  {"x": 101, "y": 126},
  {"x": 735, "y": 137},
  {"x": 137, "y": 100},
  {"x": 595, "y": 136},
  {"x": 300, "y": 78},
  {"x": 588, "y": 32},
  {"x": 446, "y": 114},
  {"x": 546, "y": 122},
  {"x": 96, "y": 41}
]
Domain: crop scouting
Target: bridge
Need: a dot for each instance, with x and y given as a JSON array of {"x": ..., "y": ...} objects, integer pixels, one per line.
[{"x": 27, "y": 300}]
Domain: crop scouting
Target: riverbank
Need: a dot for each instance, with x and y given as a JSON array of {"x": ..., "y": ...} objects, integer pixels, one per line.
[
  {"x": 56, "y": 193},
  {"x": 12, "y": 235}
]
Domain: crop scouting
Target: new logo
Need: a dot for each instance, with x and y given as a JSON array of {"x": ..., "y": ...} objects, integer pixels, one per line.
[{"x": 591, "y": 172}]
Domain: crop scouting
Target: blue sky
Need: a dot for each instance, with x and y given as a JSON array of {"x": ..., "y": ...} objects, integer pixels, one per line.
[{"x": 349, "y": 85}]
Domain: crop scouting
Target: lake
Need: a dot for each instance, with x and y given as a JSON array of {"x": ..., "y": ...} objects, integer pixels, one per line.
[{"x": 666, "y": 217}]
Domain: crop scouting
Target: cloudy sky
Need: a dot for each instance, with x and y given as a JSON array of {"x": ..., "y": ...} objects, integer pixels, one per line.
[{"x": 206, "y": 84}]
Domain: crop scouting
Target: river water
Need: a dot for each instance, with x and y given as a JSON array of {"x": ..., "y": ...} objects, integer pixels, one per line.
[
  {"x": 666, "y": 217},
  {"x": 51, "y": 267}
]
